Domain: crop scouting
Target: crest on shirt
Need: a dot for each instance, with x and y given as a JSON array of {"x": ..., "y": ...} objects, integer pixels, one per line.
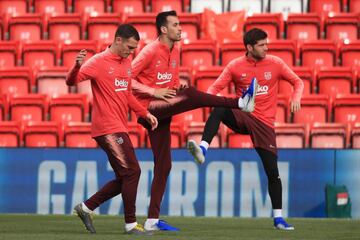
[
  {"x": 267, "y": 75},
  {"x": 129, "y": 72},
  {"x": 173, "y": 63},
  {"x": 243, "y": 76}
]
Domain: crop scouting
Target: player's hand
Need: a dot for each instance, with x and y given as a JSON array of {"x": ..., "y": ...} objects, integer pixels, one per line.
[
  {"x": 164, "y": 93},
  {"x": 183, "y": 86},
  {"x": 152, "y": 120},
  {"x": 79, "y": 60},
  {"x": 294, "y": 106}
]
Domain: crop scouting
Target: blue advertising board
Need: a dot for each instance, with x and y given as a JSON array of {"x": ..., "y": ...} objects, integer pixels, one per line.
[{"x": 230, "y": 183}]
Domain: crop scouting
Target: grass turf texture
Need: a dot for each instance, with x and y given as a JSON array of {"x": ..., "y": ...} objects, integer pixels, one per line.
[{"x": 111, "y": 227}]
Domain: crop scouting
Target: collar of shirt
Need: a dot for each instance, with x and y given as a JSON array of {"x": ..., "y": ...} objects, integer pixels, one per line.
[
  {"x": 252, "y": 60},
  {"x": 113, "y": 56}
]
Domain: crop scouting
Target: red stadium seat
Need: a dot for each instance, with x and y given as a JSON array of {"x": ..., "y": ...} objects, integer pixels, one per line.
[
  {"x": 128, "y": 7},
  {"x": 206, "y": 76},
  {"x": 103, "y": 27},
  {"x": 282, "y": 111},
  {"x": 255, "y": 6},
  {"x": 190, "y": 26},
  {"x": 307, "y": 76},
  {"x": 354, "y": 6},
  {"x": 318, "y": 53},
  {"x": 185, "y": 75},
  {"x": 303, "y": 27},
  {"x": 70, "y": 51},
  {"x": 355, "y": 136},
  {"x": 65, "y": 28},
  {"x": 198, "y": 53},
  {"x": 30, "y": 107},
  {"x": 231, "y": 49},
  {"x": 314, "y": 108},
  {"x": 196, "y": 115},
  {"x": 350, "y": 54},
  {"x": 70, "y": 107},
  {"x": 136, "y": 134},
  {"x": 286, "y": 7},
  {"x": 13, "y": 7},
  {"x": 40, "y": 54},
  {"x": 3, "y": 107},
  {"x": 342, "y": 27},
  {"x": 335, "y": 80},
  {"x": 236, "y": 140},
  {"x": 78, "y": 135},
  {"x": 167, "y": 5},
  {"x": 42, "y": 134},
  {"x": 52, "y": 7},
  {"x": 346, "y": 109},
  {"x": 194, "y": 131},
  {"x": 324, "y": 7},
  {"x": 10, "y": 134},
  {"x": 290, "y": 135},
  {"x": 198, "y": 6},
  {"x": 51, "y": 81},
  {"x": 90, "y": 7},
  {"x": 8, "y": 54},
  {"x": 27, "y": 27},
  {"x": 272, "y": 23},
  {"x": 145, "y": 24},
  {"x": 284, "y": 49},
  {"x": 328, "y": 135},
  {"x": 15, "y": 80},
  {"x": 177, "y": 135}
]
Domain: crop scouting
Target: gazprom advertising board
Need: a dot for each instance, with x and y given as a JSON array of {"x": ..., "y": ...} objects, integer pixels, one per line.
[{"x": 230, "y": 183}]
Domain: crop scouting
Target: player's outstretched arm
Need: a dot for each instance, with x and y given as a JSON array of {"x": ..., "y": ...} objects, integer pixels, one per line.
[{"x": 73, "y": 74}]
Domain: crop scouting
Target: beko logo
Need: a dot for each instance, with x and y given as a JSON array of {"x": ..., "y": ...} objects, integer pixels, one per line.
[
  {"x": 121, "y": 84},
  {"x": 163, "y": 77}
]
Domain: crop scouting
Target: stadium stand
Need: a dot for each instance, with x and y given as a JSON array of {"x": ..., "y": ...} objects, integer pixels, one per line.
[{"x": 318, "y": 39}]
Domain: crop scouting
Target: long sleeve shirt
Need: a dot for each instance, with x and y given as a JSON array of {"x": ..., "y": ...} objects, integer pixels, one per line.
[
  {"x": 110, "y": 77},
  {"x": 156, "y": 66},
  {"x": 268, "y": 72}
]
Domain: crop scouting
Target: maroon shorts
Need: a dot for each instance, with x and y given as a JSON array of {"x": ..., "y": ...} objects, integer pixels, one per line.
[{"x": 261, "y": 134}]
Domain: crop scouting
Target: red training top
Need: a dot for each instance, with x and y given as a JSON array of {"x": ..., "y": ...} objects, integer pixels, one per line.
[{"x": 110, "y": 77}]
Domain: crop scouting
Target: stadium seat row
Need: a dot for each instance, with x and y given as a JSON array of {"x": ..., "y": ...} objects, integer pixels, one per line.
[
  {"x": 193, "y": 54},
  {"x": 74, "y": 27},
  {"x": 75, "y": 134},
  {"x": 75, "y": 107},
  {"x": 50, "y": 81},
  {"x": 140, "y": 6}
]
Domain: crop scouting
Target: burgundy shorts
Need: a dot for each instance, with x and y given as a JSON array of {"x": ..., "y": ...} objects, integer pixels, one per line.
[{"x": 261, "y": 134}]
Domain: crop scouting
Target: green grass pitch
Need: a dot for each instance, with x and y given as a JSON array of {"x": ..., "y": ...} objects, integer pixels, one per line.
[{"x": 52, "y": 227}]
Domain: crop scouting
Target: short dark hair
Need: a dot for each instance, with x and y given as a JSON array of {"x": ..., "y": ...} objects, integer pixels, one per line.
[
  {"x": 127, "y": 31},
  {"x": 253, "y": 36},
  {"x": 162, "y": 21}
]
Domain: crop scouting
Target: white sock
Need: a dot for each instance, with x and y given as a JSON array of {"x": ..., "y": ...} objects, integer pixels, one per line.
[
  {"x": 204, "y": 144},
  {"x": 151, "y": 221},
  {"x": 277, "y": 213},
  {"x": 241, "y": 103},
  {"x": 85, "y": 208},
  {"x": 129, "y": 226}
]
